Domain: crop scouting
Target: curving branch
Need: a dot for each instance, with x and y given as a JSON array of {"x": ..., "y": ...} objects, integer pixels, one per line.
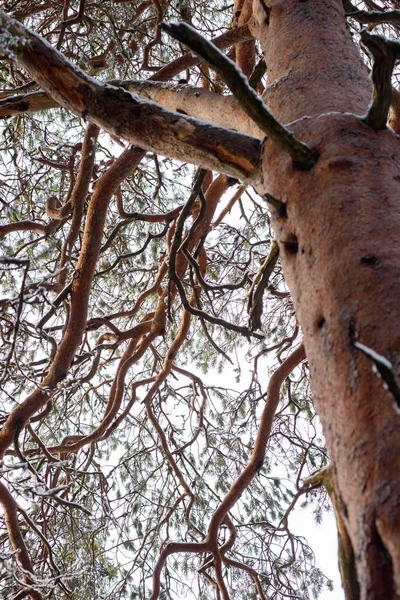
[
  {"x": 204, "y": 224},
  {"x": 79, "y": 289},
  {"x": 242, "y": 482},
  {"x": 145, "y": 334},
  {"x": 78, "y": 196},
  {"x": 384, "y": 52},
  {"x": 45, "y": 228},
  {"x": 149, "y": 218},
  {"x": 257, "y": 458},
  {"x": 174, "y": 548},
  {"x": 213, "y": 195},
  {"x": 11, "y": 508}
]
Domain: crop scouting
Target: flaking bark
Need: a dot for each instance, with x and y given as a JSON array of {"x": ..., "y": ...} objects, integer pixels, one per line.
[{"x": 122, "y": 114}]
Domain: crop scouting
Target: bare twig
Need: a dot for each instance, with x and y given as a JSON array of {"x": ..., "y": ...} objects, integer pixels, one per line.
[
  {"x": 25, "y": 264},
  {"x": 376, "y": 17}
]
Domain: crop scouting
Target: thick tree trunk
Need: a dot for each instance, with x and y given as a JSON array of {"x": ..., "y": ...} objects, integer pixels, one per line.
[
  {"x": 340, "y": 247},
  {"x": 339, "y": 242}
]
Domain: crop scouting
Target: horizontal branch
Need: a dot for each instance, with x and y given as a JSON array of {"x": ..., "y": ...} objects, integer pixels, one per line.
[
  {"x": 122, "y": 114},
  {"x": 303, "y": 156},
  {"x": 223, "y": 111},
  {"x": 29, "y": 102},
  {"x": 172, "y": 98}
]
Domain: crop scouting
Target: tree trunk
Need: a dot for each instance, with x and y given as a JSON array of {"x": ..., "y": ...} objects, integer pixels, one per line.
[
  {"x": 340, "y": 250},
  {"x": 339, "y": 243}
]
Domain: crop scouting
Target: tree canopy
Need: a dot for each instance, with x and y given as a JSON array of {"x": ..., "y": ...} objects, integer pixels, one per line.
[{"x": 157, "y": 422}]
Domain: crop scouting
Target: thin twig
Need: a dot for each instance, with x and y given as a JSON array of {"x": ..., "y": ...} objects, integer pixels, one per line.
[{"x": 25, "y": 264}]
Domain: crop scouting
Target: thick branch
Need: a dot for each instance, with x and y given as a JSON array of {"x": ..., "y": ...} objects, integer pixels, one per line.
[
  {"x": 223, "y": 111},
  {"x": 126, "y": 116},
  {"x": 384, "y": 53},
  {"x": 22, "y": 103},
  {"x": 34, "y": 101},
  {"x": 303, "y": 156},
  {"x": 123, "y": 115}
]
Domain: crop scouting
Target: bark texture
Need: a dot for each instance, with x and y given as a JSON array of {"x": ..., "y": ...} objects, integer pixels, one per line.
[
  {"x": 341, "y": 254},
  {"x": 124, "y": 115},
  {"x": 338, "y": 238}
]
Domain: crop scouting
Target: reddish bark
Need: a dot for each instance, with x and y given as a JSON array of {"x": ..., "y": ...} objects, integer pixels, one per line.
[
  {"x": 244, "y": 53},
  {"x": 80, "y": 290},
  {"x": 10, "y": 508},
  {"x": 341, "y": 254},
  {"x": 339, "y": 244},
  {"x": 394, "y": 114}
]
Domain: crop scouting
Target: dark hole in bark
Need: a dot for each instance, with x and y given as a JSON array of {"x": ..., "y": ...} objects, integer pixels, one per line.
[
  {"x": 321, "y": 322},
  {"x": 343, "y": 508},
  {"x": 370, "y": 260},
  {"x": 291, "y": 244},
  {"x": 22, "y": 106},
  {"x": 352, "y": 331},
  {"x": 282, "y": 211}
]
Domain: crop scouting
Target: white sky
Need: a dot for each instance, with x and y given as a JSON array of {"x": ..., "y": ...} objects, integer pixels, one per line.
[{"x": 323, "y": 540}]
